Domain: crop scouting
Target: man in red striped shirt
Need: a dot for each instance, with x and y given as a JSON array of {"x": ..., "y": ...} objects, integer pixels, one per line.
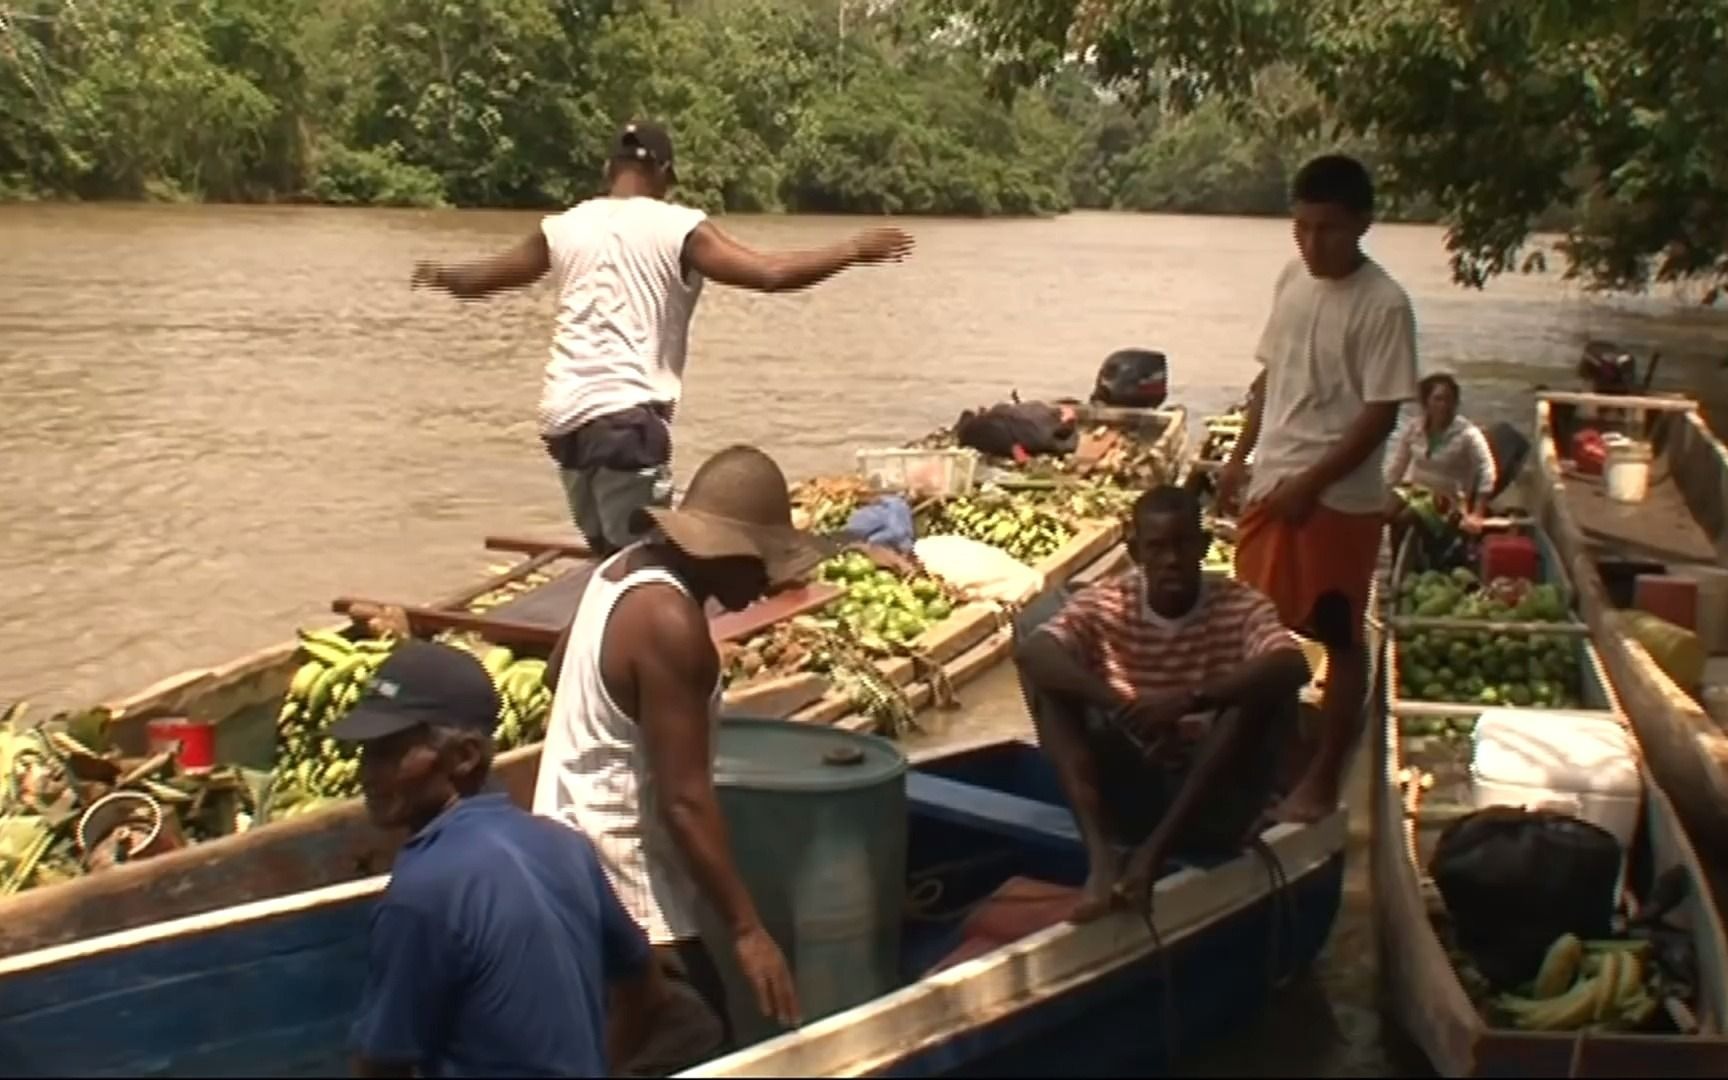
[{"x": 1165, "y": 699}]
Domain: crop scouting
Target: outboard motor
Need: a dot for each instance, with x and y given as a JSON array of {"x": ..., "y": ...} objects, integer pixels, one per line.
[
  {"x": 1608, "y": 369},
  {"x": 1509, "y": 448},
  {"x": 1132, "y": 379}
]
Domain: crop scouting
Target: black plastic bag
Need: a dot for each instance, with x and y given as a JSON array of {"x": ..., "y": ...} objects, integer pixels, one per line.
[
  {"x": 1133, "y": 378},
  {"x": 1516, "y": 879},
  {"x": 1034, "y": 427},
  {"x": 1510, "y": 448}
]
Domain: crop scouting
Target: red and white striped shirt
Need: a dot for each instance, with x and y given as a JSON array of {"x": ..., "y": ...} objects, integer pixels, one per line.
[{"x": 1112, "y": 629}]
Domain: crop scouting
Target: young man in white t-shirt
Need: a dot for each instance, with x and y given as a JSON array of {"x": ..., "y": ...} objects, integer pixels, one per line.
[
  {"x": 629, "y": 267},
  {"x": 1339, "y": 358}
]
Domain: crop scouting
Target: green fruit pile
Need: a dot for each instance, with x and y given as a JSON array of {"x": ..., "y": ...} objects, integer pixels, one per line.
[
  {"x": 1016, "y": 524},
  {"x": 1481, "y": 668},
  {"x": 313, "y": 768},
  {"x": 880, "y": 604},
  {"x": 1438, "y": 594}
]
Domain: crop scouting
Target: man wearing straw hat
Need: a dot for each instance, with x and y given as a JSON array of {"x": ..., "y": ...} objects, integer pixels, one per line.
[{"x": 629, "y": 753}]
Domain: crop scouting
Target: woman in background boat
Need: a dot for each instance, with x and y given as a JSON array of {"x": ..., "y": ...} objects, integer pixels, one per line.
[{"x": 1444, "y": 454}]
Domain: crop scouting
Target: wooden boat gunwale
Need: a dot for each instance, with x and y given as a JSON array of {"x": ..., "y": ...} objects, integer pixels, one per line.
[
  {"x": 1685, "y": 747},
  {"x": 1188, "y": 902}
]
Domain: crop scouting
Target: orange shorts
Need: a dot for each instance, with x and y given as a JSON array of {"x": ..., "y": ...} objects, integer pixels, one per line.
[{"x": 1318, "y": 574}]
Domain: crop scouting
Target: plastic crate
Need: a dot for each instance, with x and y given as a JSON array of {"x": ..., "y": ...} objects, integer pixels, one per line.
[{"x": 920, "y": 472}]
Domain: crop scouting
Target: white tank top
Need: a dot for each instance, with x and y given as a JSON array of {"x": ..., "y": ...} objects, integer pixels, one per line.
[
  {"x": 594, "y": 771},
  {"x": 624, "y": 308}
]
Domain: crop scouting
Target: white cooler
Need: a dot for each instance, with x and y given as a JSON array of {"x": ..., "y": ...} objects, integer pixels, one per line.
[{"x": 1579, "y": 765}]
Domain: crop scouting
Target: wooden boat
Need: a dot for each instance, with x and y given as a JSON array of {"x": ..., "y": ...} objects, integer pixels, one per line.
[
  {"x": 269, "y": 988},
  {"x": 1682, "y": 525},
  {"x": 1120, "y": 996},
  {"x": 1424, "y": 989},
  {"x": 336, "y": 844}
]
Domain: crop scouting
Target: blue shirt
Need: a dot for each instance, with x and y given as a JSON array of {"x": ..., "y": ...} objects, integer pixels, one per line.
[{"x": 492, "y": 947}]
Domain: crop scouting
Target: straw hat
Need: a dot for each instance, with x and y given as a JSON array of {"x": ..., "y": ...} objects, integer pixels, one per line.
[{"x": 738, "y": 505}]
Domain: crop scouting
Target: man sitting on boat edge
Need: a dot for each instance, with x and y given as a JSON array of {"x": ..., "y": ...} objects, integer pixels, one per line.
[
  {"x": 493, "y": 946},
  {"x": 1165, "y": 699}
]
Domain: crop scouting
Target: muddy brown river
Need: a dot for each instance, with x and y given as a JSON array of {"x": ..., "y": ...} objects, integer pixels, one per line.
[{"x": 215, "y": 420}]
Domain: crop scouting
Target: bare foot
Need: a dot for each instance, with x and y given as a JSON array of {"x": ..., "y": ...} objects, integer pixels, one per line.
[
  {"x": 1096, "y": 898},
  {"x": 1310, "y": 802}
]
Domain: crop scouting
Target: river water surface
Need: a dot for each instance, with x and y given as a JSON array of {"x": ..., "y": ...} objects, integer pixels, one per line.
[{"x": 216, "y": 420}]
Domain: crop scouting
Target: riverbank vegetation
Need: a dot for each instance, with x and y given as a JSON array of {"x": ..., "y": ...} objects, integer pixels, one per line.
[
  {"x": 1501, "y": 113},
  {"x": 801, "y": 105},
  {"x": 1601, "y": 118}
]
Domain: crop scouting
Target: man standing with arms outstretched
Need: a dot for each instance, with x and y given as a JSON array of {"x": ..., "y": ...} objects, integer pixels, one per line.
[
  {"x": 629, "y": 268},
  {"x": 1339, "y": 358}
]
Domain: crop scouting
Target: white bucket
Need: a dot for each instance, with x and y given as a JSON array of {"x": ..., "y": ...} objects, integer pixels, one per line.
[{"x": 1626, "y": 469}]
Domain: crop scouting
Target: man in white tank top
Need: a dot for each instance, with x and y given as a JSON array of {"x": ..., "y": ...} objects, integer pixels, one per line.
[
  {"x": 629, "y": 268},
  {"x": 629, "y": 752}
]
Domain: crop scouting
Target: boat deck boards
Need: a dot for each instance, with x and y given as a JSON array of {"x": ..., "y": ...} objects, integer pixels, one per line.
[
  {"x": 550, "y": 605},
  {"x": 1660, "y": 528}
]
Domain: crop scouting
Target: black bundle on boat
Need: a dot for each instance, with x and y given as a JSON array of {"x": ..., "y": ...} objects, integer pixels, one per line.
[
  {"x": 1035, "y": 428},
  {"x": 1516, "y": 879}
]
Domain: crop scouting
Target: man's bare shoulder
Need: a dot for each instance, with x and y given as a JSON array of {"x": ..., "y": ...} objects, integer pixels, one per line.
[{"x": 662, "y": 616}]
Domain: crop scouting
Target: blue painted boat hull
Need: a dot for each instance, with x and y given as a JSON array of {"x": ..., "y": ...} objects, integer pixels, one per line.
[{"x": 243, "y": 993}]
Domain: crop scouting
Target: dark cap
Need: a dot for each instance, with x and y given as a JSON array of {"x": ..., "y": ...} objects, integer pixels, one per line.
[
  {"x": 422, "y": 682},
  {"x": 645, "y": 142}
]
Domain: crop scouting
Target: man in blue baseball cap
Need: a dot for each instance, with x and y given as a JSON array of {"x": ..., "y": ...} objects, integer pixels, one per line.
[{"x": 497, "y": 939}]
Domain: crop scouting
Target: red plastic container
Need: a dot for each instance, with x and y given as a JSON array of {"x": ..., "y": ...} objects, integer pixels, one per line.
[
  {"x": 193, "y": 740},
  {"x": 1674, "y": 599},
  {"x": 1589, "y": 452},
  {"x": 1509, "y": 555},
  {"x": 1021, "y": 907}
]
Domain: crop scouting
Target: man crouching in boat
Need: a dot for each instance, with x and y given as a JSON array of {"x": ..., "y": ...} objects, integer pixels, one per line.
[
  {"x": 629, "y": 754},
  {"x": 493, "y": 945},
  {"x": 1165, "y": 699}
]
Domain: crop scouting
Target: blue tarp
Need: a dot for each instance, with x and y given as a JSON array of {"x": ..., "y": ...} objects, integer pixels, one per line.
[{"x": 887, "y": 522}]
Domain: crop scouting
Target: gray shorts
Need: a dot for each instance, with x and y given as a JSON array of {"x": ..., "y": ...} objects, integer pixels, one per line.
[{"x": 603, "y": 500}]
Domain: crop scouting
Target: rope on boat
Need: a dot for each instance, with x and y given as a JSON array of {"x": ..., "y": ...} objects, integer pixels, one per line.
[
  {"x": 1577, "y": 1061},
  {"x": 1172, "y": 1027}
]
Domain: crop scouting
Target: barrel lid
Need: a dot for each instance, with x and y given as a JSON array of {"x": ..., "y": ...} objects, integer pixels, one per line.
[{"x": 785, "y": 755}]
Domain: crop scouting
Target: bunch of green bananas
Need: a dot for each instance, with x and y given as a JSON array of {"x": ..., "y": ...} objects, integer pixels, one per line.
[
  {"x": 1016, "y": 524},
  {"x": 312, "y": 767},
  {"x": 524, "y": 699},
  {"x": 1599, "y": 985}
]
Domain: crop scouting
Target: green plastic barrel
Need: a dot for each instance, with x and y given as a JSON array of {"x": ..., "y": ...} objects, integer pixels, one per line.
[{"x": 817, "y": 818}]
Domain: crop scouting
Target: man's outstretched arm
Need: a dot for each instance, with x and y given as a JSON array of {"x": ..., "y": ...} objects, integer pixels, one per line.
[
  {"x": 721, "y": 258},
  {"x": 517, "y": 268}
]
